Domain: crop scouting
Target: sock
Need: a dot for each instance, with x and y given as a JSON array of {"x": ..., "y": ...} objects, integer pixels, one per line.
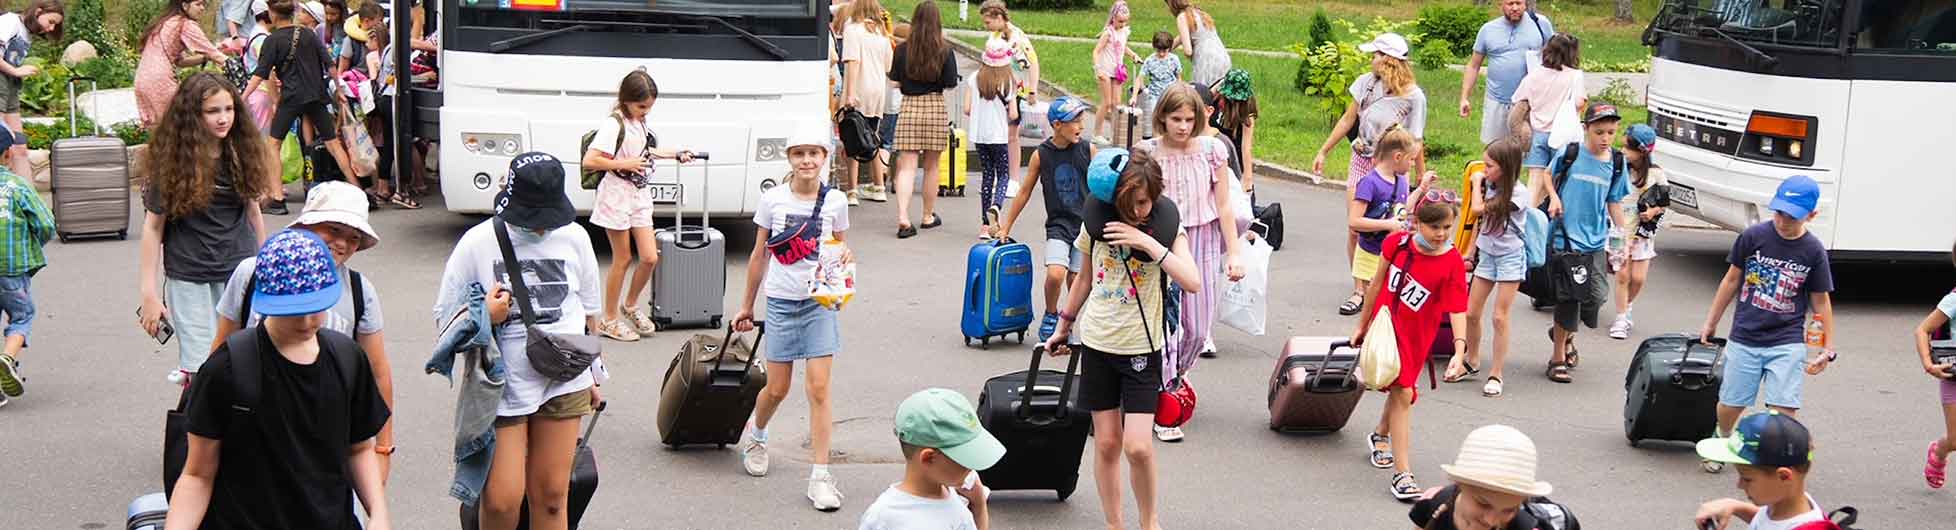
[
  {"x": 759, "y": 434},
  {"x": 818, "y": 471}
]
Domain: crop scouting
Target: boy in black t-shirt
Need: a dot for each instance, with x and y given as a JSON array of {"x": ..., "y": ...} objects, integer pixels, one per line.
[
  {"x": 282, "y": 418},
  {"x": 296, "y": 57}
]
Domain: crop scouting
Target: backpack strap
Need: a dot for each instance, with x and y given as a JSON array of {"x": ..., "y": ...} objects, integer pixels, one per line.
[
  {"x": 244, "y": 309},
  {"x": 359, "y": 287},
  {"x": 247, "y": 374}
]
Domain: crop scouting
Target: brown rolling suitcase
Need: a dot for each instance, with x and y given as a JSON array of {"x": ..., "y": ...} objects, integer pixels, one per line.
[
  {"x": 90, "y": 179},
  {"x": 1315, "y": 386},
  {"x": 710, "y": 390}
]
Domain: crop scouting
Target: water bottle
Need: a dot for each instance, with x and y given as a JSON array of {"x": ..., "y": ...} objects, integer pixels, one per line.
[{"x": 1816, "y": 341}]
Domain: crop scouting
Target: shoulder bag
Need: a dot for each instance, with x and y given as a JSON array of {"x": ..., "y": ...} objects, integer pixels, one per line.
[{"x": 558, "y": 356}]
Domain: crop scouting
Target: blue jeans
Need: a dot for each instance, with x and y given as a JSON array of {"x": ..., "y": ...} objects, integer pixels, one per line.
[
  {"x": 1782, "y": 369},
  {"x": 17, "y": 301}
]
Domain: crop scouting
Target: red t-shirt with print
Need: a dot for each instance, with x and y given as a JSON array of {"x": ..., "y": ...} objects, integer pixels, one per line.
[{"x": 1420, "y": 301}]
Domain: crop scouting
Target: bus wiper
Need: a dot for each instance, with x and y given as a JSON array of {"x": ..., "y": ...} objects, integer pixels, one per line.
[
  {"x": 1765, "y": 60},
  {"x": 525, "y": 40},
  {"x": 756, "y": 40}
]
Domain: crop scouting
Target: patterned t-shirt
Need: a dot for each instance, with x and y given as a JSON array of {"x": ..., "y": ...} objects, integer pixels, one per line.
[
  {"x": 1781, "y": 276},
  {"x": 1109, "y": 321}
]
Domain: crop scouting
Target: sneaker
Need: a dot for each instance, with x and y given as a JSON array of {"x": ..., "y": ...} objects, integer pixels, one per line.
[
  {"x": 1098, "y": 139},
  {"x": 753, "y": 457},
  {"x": 1711, "y": 466},
  {"x": 823, "y": 493},
  {"x": 876, "y": 193},
  {"x": 11, "y": 382},
  {"x": 1169, "y": 434},
  {"x": 1620, "y": 329},
  {"x": 1404, "y": 487},
  {"x": 275, "y": 208},
  {"x": 855, "y": 198},
  {"x": 1047, "y": 326}
]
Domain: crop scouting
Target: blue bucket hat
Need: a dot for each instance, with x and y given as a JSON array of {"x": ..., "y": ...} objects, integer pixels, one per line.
[
  {"x": 1104, "y": 173},
  {"x": 295, "y": 275},
  {"x": 1065, "y": 109}
]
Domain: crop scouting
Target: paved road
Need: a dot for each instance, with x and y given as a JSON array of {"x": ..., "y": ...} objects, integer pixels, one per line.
[{"x": 85, "y": 438}]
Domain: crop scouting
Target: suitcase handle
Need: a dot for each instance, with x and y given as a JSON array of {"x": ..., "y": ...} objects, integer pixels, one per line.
[
  {"x": 1312, "y": 382},
  {"x": 760, "y": 329},
  {"x": 585, "y": 440},
  {"x": 679, "y": 211},
  {"x": 92, "y": 87},
  {"x": 1696, "y": 374},
  {"x": 1032, "y": 377}
]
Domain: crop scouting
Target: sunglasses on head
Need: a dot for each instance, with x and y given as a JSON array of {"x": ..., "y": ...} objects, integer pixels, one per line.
[{"x": 1442, "y": 196}]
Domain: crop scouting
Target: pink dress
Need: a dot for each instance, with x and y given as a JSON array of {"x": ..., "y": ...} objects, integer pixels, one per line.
[
  {"x": 156, "y": 72},
  {"x": 1108, "y": 63},
  {"x": 1189, "y": 179}
]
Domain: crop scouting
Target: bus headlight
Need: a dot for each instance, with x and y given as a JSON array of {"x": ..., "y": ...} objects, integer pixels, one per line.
[
  {"x": 492, "y": 144},
  {"x": 1778, "y": 138},
  {"x": 770, "y": 149}
]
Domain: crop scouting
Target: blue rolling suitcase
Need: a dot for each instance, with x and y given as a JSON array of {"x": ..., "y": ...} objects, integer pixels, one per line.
[{"x": 997, "y": 291}]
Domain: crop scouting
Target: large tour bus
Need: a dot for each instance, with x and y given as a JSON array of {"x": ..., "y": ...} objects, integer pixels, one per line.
[
  {"x": 1748, "y": 92},
  {"x": 734, "y": 77}
]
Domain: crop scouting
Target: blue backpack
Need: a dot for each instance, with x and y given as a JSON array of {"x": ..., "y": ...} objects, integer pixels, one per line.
[{"x": 1534, "y": 236}]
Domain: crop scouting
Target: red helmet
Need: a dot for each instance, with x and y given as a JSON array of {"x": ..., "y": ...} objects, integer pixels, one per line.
[{"x": 1176, "y": 405}]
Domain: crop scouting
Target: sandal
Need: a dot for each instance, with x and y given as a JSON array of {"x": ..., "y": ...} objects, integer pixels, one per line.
[
  {"x": 1933, "y": 472},
  {"x": 639, "y": 321},
  {"x": 1572, "y": 356},
  {"x": 618, "y": 331},
  {"x": 1352, "y": 305},
  {"x": 933, "y": 222},
  {"x": 1381, "y": 458},
  {"x": 906, "y": 232},
  {"x": 1452, "y": 377},
  {"x": 1492, "y": 388},
  {"x": 1559, "y": 372},
  {"x": 404, "y": 201}
]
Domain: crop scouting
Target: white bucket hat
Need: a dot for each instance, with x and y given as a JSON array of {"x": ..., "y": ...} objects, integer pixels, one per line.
[
  {"x": 338, "y": 202},
  {"x": 1391, "y": 44},
  {"x": 1499, "y": 458}
]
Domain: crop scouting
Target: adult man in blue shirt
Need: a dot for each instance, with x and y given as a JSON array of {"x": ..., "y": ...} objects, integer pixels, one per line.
[
  {"x": 1590, "y": 192},
  {"x": 1503, "y": 44}
]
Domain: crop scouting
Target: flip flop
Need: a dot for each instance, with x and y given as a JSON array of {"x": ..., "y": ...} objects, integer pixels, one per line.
[
  {"x": 404, "y": 201},
  {"x": 1455, "y": 378},
  {"x": 1492, "y": 388}
]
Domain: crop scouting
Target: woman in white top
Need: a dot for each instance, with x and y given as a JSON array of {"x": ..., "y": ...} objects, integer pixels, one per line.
[{"x": 866, "y": 57}]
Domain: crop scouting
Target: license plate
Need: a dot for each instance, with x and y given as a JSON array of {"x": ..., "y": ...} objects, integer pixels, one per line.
[
  {"x": 1684, "y": 195},
  {"x": 664, "y": 193}
]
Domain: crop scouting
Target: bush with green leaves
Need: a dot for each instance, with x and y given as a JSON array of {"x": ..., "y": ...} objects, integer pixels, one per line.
[
  {"x": 86, "y": 21},
  {"x": 1618, "y": 92},
  {"x": 1327, "y": 71},
  {"x": 109, "y": 72},
  {"x": 1639, "y": 67},
  {"x": 1434, "y": 54},
  {"x": 1320, "y": 29},
  {"x": 136, "y": 16},
  {"x": 1456, "y": 24},
  {"x": 47, "y": 92},
  {"x": 43, "y": 136},
  {"x": 1045, "y": 4}
]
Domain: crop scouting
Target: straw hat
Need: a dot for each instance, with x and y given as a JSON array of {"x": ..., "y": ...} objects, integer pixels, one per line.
[{"x": 1499, "y": 458}]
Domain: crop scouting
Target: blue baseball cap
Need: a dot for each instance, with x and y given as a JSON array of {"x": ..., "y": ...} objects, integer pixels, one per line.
[
  {"x": 1642, "y": 137},
  {"x": 9, "y": 138},
  {"x": 1065, "y": 109},
  {"x": 1798, "y": 195},
  {"x": 1768, "y": 439},
  {"x": 295, "y": 275},
  {"x": 1104, "y": 173}
]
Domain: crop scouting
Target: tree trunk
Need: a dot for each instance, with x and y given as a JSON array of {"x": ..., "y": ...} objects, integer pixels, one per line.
[{"x": 1623, "y": 11}]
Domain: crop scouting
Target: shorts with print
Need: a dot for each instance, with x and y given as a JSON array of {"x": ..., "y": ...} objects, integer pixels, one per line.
[
  {"x": 1569, "y": 314},
  {"x": 1642, "y": 249},
  {"x": 1064, "y": 254},
  {"x": 1510, "y": 267},
  {"x": 1365, "y": 265},
  {"x": 621, "y": 205},
  {"x": 193, "y": 314},
  {"x": 1782, "y": 369},
  {"x": 800, "y": 330},
  {"x": 1131, "y": 383},
  {"x": 573, "y": 405},
  {"x": 17, "y": 300},
  {"x": 10, "y": 95},
  {"x": 1540, "y": 153}
]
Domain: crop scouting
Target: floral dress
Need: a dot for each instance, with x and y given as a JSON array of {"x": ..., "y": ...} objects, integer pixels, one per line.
[{"x": 156, "y": 72}]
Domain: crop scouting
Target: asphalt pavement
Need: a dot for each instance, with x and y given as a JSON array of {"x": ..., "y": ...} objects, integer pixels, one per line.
[{"x": 85, "y": 438}]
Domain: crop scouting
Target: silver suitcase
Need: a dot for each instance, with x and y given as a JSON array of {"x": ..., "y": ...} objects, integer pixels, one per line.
[
  {"x": 689, "y": 288},
  {"x": 90, "y": 179}
]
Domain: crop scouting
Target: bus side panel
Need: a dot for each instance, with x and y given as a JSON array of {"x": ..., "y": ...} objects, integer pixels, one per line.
[{"x": 1899, "y": 140}]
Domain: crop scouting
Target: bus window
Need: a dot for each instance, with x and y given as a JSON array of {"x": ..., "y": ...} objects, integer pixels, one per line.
[
  {"x": 1782, "y": 22},
  {"x": 1909, "y": 26}
]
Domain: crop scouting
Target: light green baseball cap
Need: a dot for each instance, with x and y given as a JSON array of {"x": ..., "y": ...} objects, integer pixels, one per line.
[{"x": 942, "y": 419}]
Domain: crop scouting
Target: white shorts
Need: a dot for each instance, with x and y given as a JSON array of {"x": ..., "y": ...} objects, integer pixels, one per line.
[
  {"x": 1642, "y": 249},
  {"x": 621, "y": 206}
]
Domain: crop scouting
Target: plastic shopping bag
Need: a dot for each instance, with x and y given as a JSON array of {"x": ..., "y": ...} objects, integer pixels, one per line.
[
  {"x": 835, "y": 278},
  {"x": 1246, "y": 302},
  {"x": 1378, "y": 357},
  {"x": 293, "y": 159}
]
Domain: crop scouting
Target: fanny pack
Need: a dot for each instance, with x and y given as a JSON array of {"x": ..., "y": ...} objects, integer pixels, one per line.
[
  {"x": 560, "y": 357},
  {"x": 799, "y": 243}
]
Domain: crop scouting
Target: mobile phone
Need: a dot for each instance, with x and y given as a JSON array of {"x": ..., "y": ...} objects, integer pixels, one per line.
[{"x": 163, "y": 330}]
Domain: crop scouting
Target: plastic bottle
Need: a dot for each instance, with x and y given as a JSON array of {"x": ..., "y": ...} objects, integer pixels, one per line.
[{"x": 1816, "y": 340}]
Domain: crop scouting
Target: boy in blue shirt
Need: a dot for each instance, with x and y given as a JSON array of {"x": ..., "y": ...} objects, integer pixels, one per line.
[
  {"x": 1777, "y": 271},
  {"x": 1584, "y": 199},
  {"x": 26, "y": 226}
]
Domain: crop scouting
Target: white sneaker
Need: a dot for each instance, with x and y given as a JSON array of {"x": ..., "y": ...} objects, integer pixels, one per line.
[
  {"x": 753, "y": 457},
  {"x": 855, "y": 198},
  {"x": 177, "y": 377},
  {"x": 1169, "y": 434},
  {"x": 1620, "y": 329},
  {"x": 1711, "y": 466},
  {"x": 823, "y": 493}
]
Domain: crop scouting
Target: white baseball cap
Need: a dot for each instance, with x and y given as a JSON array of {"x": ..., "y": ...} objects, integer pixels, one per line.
[
  {"x": 1391, "y": 44},
  {"x": 338, "y": 202}
]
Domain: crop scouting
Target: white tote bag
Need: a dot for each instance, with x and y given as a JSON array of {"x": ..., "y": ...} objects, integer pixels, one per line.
[
  {"x": 1246, "y": 302},
  {"x": 1378, "y": 358},
  {"x": 1567, "y": 127}
]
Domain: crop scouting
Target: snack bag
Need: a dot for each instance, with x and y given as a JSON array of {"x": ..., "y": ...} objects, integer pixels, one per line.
[{"x": 835, "y": 280}]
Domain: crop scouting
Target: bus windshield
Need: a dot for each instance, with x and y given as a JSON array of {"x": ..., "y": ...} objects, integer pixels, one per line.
[
  {"x": 1815, "y": 23},
  {"x": 770, "y": 8}
]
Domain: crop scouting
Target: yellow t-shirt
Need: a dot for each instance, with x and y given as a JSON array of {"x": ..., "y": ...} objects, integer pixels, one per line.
[{"x": 1109, "y": 321}]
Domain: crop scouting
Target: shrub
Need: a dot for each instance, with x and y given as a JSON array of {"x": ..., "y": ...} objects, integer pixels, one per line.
[
  {"x": 1642, "y": 66},
  {"x": 43, "y": 136},
  {"x": 109, "y": 72},
  {"x": 1619, "y": 92},
  {"x": 46, "y": 93},
  {"x": 1048, "y": 4},
  {"x": 1457, "y": 25},
  {"x": 136, "y": 16},
  {"x": 86, "y": 20},
  {"x": 1434, "y": 54},
  {"x": 1328, "y": 70},
  {"x": 1320, "y": 29}
]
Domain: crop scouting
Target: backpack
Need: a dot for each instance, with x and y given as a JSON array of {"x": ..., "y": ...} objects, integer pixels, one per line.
[
  {"x": 589, "y": 178},
  {"x": 1550, "y": 515},
  {"x": 1841, "y": 519},
  {"x": 1534, "y": 236}
]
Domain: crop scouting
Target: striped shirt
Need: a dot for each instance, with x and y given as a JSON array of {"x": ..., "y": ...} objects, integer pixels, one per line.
[{"x": 25, "y": 225}]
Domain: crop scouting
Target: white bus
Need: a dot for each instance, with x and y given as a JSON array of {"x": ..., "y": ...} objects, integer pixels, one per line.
[
  {"x": 734, "y": 76},
  {"x": 1861, "y": 92}
]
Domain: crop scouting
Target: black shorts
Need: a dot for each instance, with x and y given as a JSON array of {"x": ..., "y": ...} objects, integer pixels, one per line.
[
  {"x": 1567, "y": 315},
  {"x": 1131, "y": 383},
  {"x": 287, "y": 114}
]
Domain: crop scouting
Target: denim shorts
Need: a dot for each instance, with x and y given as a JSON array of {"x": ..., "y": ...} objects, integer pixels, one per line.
[
  {"x": 17, "y": 300},
  {"x": 1781, "y": 368},
  {"x": 800, "y": 329},
  {"x": 1064, "y": 254},
  {"x": 1510, "y": 267},
  {"x": 1539, "y": 152},
  {"x": 886, "y": 129}
]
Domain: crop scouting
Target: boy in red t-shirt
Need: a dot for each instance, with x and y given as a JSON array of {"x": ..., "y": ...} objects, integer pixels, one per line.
[{"x": 1428, "y": 283}]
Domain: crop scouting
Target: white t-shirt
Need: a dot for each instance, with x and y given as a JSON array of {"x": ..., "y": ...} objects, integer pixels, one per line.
[
  {"x": 633, "y": 145},
  {"x": 561, "y": 272},
  {"x": 1764, "y": 520},
  {"x": 896, "y": 509},
  {"x": 870, "y": 52},
  {"x": 990, "y": 123},
  {"x": 13, "y": 39},
  {"x": 780, "y": 210},
  {"x": 1948, "y": 308},
  {"x": 339, "y": 318}
]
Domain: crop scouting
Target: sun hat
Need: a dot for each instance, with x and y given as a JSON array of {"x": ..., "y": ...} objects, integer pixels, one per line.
[
  {"x": 295, "y": 275},
  {"x": 1797, "y": 196},
  {"x": 944, "y": 420},
  {"x": 1499, "y": 458},
  {"x": 1104, "y": 173},
  {"x": 260, "y": 7},
  {"x": 1642, "y": 137},
  {"x": 1236, "y": 85},
  {"x": 534, "y": 197},
  {"x": 1391, "y": 44},
  {"x": 1065, "y": 109},
  {"x": 1766, "y": 439},
  {"x": 1599, "y": 112},
  {"x": 998, "y": 52},
  {"x": 338, "y": 202},
  {"x": 314, "y": 8}
]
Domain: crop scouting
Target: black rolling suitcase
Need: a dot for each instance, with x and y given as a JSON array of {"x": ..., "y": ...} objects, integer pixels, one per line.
[
  {"x": 583, "y": 484},
  {"x": 1037, "y": 415},
  {"x": 1671, "y": 391},
  {"x": 710, "y": 389}
]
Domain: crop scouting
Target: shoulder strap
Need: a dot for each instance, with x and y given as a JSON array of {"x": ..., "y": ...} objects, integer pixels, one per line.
[
  {"x": 514, "y": 269},
  {"x": 244, "y": 309},
  {"x": 1537, "y": 19},
  {"x": 1616, "y": 169},
  {"x": 620, "y": 143},
  {"x": 815, "y": 218},
  {"x": 1145, "y": 329},
  {"x": 247, "y": 378},
  {"x": 1560, "y": 172},
  {"x": 359, "y": 298}
]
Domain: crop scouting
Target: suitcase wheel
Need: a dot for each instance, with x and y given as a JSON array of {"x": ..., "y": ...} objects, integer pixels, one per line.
[
  {"x": 64, "y": 239},
  {"x": 1064, "y": 493},
  {"x": 985, "y": 343},
  {"x": 1022, "y": 337},
  {"x": 715, "y": 324},
  {"x": 122, "y": 235},
  {"x": 960, "y": 191},
  {"x": 967, "y": 342}
]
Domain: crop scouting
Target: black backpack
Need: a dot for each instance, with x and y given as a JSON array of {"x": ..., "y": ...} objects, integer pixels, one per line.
[{"x": 859, "y": 140}]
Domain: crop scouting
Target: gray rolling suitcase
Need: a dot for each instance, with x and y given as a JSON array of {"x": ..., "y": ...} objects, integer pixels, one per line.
[
  {"x": 90, "y": 179},
  {"x": 689, "y": 288}
]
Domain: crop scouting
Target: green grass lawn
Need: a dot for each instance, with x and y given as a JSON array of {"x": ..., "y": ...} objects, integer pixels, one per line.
[
  {"x": 1289, "y": 126},
  {"x": 1274, "y": 25}
]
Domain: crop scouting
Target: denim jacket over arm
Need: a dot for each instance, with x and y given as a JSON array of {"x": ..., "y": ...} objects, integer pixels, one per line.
[{"x": 467, "y": 333}]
